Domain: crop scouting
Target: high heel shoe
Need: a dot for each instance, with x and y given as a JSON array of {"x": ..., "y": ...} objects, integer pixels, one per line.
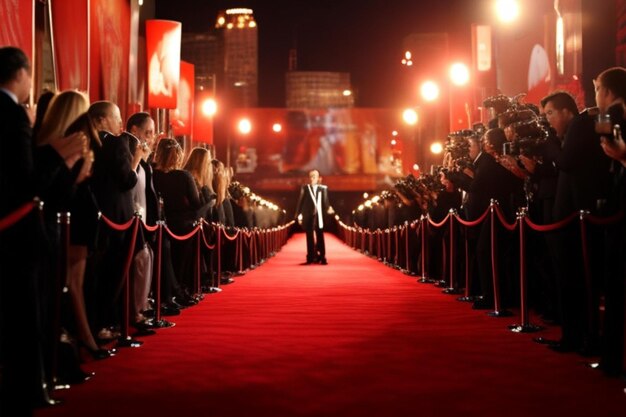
[{"x": 99, "y": 353}]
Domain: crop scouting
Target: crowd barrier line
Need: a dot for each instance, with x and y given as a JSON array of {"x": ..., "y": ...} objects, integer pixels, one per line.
[{"x": 352, "y": 235}]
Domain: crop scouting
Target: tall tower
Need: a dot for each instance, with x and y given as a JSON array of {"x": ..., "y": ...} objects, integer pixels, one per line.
[{"x": 238, "y": 30}]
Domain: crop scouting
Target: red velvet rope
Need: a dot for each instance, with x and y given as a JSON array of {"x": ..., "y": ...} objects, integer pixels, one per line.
[
  {"x": 206, "y": 243},
  {"x": 150, "y": 228},
  {"x": 441, "y": 223},
  {"x": 605, "y": 220},
  {"x": 508, "y": 226},
  {"x": 550, "y": 227},
  {"x": 115, "y": 226},
  {"x": 17, "y": 215},
  {"x": 183, "y": 237},
  {"x": 229, "y": 237},
  {"x": 474, "y": 222}
]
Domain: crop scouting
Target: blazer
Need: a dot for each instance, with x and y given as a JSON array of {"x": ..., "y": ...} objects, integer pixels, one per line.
[
  {"x": 583, "y": 176},
  {"x": 307, "y": 207}
]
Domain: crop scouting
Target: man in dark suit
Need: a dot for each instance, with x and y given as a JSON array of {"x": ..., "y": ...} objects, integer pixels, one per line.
[
  {"x": 24, "y": 174},
  {"x": 583, "y": 182},
  {"x": 312, "y": 205}
]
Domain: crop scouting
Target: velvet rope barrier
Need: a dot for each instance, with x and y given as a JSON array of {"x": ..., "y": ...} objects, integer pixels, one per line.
[
  {"x": 508, "y": 226},
  {"x": 524, "y": 326},
  {"x": 468, "y": 280},
  {"x": 497, "y": 311},
  {"x": 407, "y": 264},
  {"x": 550, "y": 227},
  {"x": 60, "y": 286},
  {"x": 18, "y": 214},
  {"x": 125, "y": 340},
  {"x": 441, "y": 223},
  {"x": 197, "y": 286},
  {"x": 583, "y": 214},
  {"x": 158, "y": 321},
  {"x": 423, "y": 229},
  {"x": 473, "y": 223},
  {"x": 182, "y": 237},
  {"x": 396, "y": 248},
  {"x": 452, "y": 286}
]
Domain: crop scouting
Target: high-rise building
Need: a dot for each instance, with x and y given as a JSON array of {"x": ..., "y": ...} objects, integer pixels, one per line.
[
  {"x": 238, "y": 31},
  {"x": 206, "y": 53},
  {"x": 318, "y": 89}
]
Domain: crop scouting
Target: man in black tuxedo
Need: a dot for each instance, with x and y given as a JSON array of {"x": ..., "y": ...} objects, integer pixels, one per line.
[
  {"x": 25, "y": 173},
  {"x": 312, "y": 205},
  {"x": 582, "y": 184}
]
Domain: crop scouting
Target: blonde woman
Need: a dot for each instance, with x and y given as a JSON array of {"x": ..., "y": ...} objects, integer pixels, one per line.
[
  {"x": 66, "y": 114},
  {"x": 64, "y": 108},
  {"x": 199, "y": 166},
  {"x": 182, "y": 204}
]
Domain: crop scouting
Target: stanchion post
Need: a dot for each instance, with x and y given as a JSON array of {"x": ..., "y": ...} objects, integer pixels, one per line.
[
  {"x": 125, "y": 340},
  {"x": 452, "y": 289},
  {"x": 424, "y": 278},
  {"x": 587, "y": 271},
  {"x": 497, "y": 310},
  {"x": 524, "y": 326}
]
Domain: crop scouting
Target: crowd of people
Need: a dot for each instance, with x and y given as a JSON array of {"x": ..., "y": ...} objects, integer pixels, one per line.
[
  {"x": 553, "y": 166},
  {"x": 81, "y": 158}
]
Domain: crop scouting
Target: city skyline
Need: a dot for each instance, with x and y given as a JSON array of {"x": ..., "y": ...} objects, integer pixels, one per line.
[{"x": 363, "y": 39}]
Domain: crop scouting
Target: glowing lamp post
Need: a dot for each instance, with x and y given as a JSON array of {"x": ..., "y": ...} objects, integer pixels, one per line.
[
  {"x": 244, "y": 127},
  {"x": 507, "y": 10},
  {"x": 460, "y": 117},
  {"x": 429, "y": 90}
]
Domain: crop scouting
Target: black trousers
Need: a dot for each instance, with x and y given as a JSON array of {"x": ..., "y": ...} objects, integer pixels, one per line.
[{"x": 315, "y": 246}]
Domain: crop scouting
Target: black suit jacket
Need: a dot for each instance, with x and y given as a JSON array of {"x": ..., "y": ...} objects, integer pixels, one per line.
[
  {"x": 113, "y": 179},
  {"x": 306, "y": 205},
  {"x": 583, "y": 177},
  {"x": 26, "y": 172},
  {"x": 491, "y": 181}
]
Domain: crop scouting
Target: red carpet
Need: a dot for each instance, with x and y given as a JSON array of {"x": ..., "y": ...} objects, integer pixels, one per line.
[{"x": 354, "y": 338}]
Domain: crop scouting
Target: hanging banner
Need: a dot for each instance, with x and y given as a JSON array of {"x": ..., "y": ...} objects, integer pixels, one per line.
[
  {"x": 18, "y": 29},
  {"x": 109, "y": 51},
  {"x": 70, "y": 32},
  {"x": 163, "y": 39},
  {"x": 182, "y": 116}
]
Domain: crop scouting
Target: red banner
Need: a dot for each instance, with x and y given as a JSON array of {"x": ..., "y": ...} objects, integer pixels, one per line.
[
  {"x": 18, "y": 29},
  {"x": 182, "y": 116},
  {"x": 203, "y": 118},
  {"x": 163, "y": 39},
  {"x": 109, "y": 54},
  {"x": 70, "y": 30}
]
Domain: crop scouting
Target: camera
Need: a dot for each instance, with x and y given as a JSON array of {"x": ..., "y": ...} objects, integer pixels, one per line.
[
  {"x": 617, "y": 132},
  {"x": 507, "y": 148}
]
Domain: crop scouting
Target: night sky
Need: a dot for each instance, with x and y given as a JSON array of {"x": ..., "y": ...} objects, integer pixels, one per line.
[{"x": 363, "y": 38}]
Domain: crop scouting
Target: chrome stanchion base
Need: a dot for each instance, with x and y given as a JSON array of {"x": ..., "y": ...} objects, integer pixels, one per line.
[
  {"x": 500, "y": 313},
  {"x": 452, "y": 291},
  {"x": 163, "y": 324},
  {"x": 212, "y": 290},
  {"x": 128, "y": 342},
  {"x": 524, "y": 328},
  {"x": 425, "y": 280}
]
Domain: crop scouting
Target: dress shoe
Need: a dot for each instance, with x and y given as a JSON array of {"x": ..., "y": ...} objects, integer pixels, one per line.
[
  {"x": 99, "y": 353},
  {"x": 170, "y": 310},
  {"x": 226, "y": 281},
  {"x": 323, "y": 261},
  {"x": 307, "y": 263}
]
